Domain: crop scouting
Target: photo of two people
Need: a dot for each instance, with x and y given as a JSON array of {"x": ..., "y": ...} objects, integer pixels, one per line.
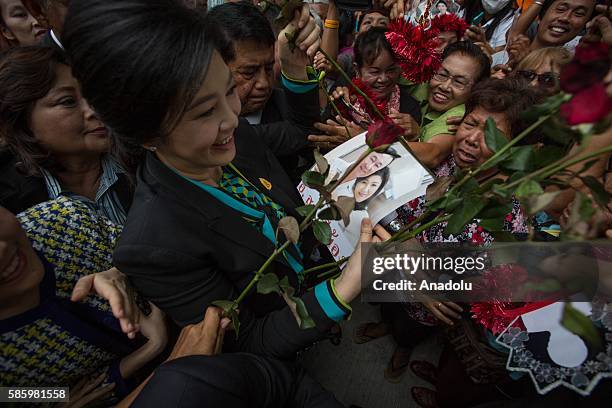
[{"x": 379, "y": 184}]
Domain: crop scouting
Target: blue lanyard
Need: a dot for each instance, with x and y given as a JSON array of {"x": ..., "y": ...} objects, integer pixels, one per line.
[{"x": 249, "y": 211}]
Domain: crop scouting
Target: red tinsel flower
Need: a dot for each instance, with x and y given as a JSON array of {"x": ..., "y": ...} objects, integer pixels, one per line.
[
  {"x": 415, "y": 49},
  {"x": 382, "y": 133},
  {"x": 449, "y": 22},
  {"x": 587, "y": 106},
  {"x": 492, "y": 315},
  {"x": 589, "y": 66}
]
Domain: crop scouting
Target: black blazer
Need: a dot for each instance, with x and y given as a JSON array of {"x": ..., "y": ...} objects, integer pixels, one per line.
[{"x": 183, "y": 249}]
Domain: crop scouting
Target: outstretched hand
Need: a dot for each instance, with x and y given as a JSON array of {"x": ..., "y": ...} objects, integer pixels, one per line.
[
  {"x": 113, "y": 286},
  {"x": 298, "y": 43}
]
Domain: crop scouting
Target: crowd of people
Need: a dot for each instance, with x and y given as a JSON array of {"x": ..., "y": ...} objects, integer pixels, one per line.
[{"x": 150, "y": 148}]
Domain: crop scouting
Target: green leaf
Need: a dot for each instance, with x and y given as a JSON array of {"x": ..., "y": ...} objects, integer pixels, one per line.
[
  {"x": 268, "y": 283},
  {"x": 321, "y": 161},
  {"x": 601, "y": 196},
  {"x": 492, "y": 224},
  {"x": 516, "y": 176},
  {"x": 579, "y": 324},
  {"x": 496, "y": 210},
  {"x": 306, "y": 321},
  {"x": 305, "y": 210},
  {"x": 556, "y": 131},
  {"x": 585, "y": 209},
  {"x": 540, "y": 202},
  {"x": 313, "y": 179},
  {"x": 286, "y": 286},
  {"x": 225, "y": 305},
  {"x": 322, "y": 232},
  {"x": 528, "y": 188},
  {"x": 345, "y": 206},
  {"x": 329, "y": 213},
  {"x": 494, "y": 137},
  {"x": 290, "y": 228},
  {"x": 235, "y": 321},
  {"x": 464, "y": 214},
  {"x": 547, "y": 155},
  {"x": 469, "y": 186},
  {"x": 493, "y": 162},
  {"x": 520, "y": 159},
  {"x": 500, "y": 191},
  {"x": 550, "y": 105}
]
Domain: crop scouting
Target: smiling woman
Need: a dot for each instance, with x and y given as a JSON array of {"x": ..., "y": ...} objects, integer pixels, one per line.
[
  {"x": 209, "y": 195},
  {"x": 17, "y": 25},
  {"x": 57, "y": 145}
]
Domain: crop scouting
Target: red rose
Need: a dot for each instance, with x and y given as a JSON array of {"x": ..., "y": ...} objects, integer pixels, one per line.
[
  {"x": 589, "y": 66},
  {"x": 589, "y": 52},
  {"x": 383, "y": 133},
  {"x": 587, "y": 106}
]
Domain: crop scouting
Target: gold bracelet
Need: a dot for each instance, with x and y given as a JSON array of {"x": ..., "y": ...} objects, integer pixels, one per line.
[{"x": 331, "y": 24}]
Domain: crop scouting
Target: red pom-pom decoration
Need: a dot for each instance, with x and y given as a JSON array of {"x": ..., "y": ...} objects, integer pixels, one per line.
[
  {"x": 449, "y": 22},
  {"x": 414, "y": 47}
]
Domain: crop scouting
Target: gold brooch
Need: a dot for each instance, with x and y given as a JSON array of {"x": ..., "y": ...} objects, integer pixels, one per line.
[{"x": 265, "y": 183}]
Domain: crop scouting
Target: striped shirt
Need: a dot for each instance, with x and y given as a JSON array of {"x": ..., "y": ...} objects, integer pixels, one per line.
[{"x": 107, "y": 201}]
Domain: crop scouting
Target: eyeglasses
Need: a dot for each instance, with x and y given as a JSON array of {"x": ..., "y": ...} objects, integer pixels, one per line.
[
  {"x": 457, "y": 82},
  {"x": 545, "y": 80}
]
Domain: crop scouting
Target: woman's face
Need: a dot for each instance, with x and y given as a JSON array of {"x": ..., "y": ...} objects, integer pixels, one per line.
[
  {"x": 64, "y": 123},
  {"x": 365, "y": 188},
  {"x": 373, "y": 20},
  {"x": 19, "y": 25},
  {"x": 204, "y": 136},
  {"x": 20, "y": 268},
  {"x": 545, "y": 76},
  {"x": 563, "y": 21},
  {"x": 442, "y": 8},
  {"x": 452, "y": 83},
  {"x": 470, "y": 148},
  {"x": 381, "y": 75}
]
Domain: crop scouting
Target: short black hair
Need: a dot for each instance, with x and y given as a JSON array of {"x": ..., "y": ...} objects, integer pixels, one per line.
[
  {"x": 470, "y": 49},
  {"x": 549, "y": 3},
  {"x": 370, "y": 44},
  {"x": 372, "y": 10},
  {"x": 240, "y": 21},
  {"x": 140, "y": 63}
]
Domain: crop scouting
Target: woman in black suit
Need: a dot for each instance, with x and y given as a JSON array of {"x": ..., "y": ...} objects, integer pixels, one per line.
[{"x": 208, "y": 194}]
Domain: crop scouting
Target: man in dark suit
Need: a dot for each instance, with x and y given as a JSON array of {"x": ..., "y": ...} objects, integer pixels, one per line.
[{"x": 248, "y": 48}]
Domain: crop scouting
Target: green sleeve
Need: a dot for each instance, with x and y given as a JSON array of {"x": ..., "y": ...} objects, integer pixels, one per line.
[{"x": 438, "y": 126}]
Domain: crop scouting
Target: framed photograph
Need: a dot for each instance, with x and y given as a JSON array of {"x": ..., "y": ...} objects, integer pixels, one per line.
[{"x": 379, "y": 184}]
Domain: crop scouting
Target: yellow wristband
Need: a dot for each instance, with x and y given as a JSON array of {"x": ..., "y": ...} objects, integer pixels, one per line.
[{"x": 331, "y": 24}]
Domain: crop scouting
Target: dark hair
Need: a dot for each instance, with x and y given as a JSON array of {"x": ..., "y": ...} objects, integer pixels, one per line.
[
  {"x": 347, "y": 28},
  {"x": 140, "y": 63},
  {"x": 370, "y": 44},
  {"x": 241, "y": 21},
  {"x": 473, "y": 8},
  {"x": 469, "y": 49},
  {"x": 27, "y": 74},
  {"x": 441, "y": 2},
  {"x": 549, "y": 3},
  {"x": 384, "y": 175},
  {"x": 510, "y": 96},
  {"x": 372, "y": 10}
]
